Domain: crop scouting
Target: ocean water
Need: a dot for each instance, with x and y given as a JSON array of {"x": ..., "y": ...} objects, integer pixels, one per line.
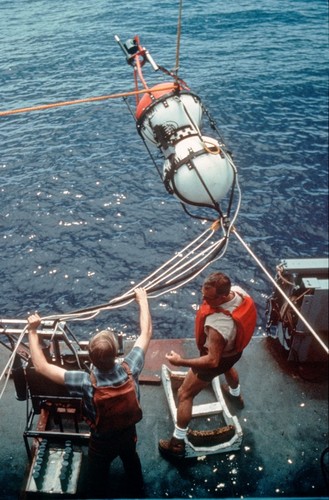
[{"x": 83, "y": 213}]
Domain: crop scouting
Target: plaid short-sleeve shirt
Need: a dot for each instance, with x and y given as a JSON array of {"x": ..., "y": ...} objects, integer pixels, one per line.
[{"x": 78, "y": 382}]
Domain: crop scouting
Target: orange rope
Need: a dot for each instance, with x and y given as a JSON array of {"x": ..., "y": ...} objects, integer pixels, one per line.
[{"x": 78, "y": 101}]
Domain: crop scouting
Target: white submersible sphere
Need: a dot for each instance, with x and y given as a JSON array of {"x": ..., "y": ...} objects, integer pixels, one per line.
[
  {"x": 200, "y": 172},
  {"x": 196, "y": 170}
]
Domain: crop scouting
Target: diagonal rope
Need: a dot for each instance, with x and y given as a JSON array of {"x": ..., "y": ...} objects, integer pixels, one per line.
[
  {"x": 78, "y": 101},
  {"x": 292, "y": 305}
]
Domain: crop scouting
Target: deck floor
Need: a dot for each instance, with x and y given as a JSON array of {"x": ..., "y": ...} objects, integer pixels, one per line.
[{"x": 284, "y": 423}]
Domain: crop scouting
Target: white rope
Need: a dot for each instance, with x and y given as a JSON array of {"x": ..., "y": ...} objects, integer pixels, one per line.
[
  {"x": 191, "y": 277},
  {"x": 178, "y": 255},
  {"x": 81, "y": 317},
  {"x": 177, "y": 267},
  {"x": 176, "y": 263},
  {"x": 195, "y": 261}
]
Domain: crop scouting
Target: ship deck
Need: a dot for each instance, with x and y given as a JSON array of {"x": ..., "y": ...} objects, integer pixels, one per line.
[{"x": 285, "y": 434}]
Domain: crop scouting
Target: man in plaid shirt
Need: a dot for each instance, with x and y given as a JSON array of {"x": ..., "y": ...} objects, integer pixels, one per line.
[{"x": 104, "y": 447}]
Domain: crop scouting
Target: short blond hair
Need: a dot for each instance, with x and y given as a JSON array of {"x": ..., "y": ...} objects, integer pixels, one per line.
[{"x": 103, "y": 348}]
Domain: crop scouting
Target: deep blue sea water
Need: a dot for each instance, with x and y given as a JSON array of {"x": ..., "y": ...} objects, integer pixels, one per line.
[{"x": 83, "y": 213}]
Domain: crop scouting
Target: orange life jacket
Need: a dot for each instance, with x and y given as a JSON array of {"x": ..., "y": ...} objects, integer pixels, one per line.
[
  {"x": 117, "y": 407},
  {"x": 244, "y": 316}
]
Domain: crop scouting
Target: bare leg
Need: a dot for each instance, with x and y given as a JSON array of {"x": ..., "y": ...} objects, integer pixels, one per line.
[
  {"x": 191, "y": 386},
  {"x": 175, "y": 447},
  {"x": 232, "y": 378}
]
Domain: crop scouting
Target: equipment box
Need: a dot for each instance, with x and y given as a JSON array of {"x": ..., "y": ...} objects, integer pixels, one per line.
[{"x": 305, "y": 283}]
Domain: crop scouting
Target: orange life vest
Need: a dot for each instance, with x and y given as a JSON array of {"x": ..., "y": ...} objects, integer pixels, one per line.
[
  {"x": 244, "y": 316},
  {"x": 117, "y": 407}
]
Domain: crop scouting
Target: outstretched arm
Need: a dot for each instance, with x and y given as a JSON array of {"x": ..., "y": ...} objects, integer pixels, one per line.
[
  {"x": 145, "y": 320},
  {"x": 53, "y": 372},
  {"x": 216, "y": 344}
]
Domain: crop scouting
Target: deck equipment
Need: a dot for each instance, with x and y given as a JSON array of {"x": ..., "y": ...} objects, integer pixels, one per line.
[{"x": 306, "y": 283}]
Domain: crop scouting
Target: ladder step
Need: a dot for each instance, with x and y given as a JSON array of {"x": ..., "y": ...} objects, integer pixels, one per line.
[{"x": 206, "y": 409}]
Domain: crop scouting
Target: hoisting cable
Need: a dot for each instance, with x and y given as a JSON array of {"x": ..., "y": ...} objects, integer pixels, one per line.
[
  {"x": 292, "y": 305},
  {"x": 179, "y": 30}
]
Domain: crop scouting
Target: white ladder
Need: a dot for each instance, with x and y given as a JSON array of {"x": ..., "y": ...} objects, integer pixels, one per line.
[{"x": 204, "y": 442}]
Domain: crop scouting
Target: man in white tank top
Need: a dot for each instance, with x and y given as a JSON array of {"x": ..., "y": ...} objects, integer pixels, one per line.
[{"x": 215, "y": 336}]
